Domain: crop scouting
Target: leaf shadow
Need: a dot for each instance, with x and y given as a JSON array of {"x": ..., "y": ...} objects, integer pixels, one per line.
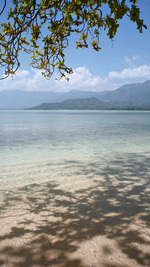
[{"x": 54, "y": 222}]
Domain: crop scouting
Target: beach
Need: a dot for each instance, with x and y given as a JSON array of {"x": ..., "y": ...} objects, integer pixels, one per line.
[
  {"x": 74, "y": 189},
  {"x": 96, "y": 216}
]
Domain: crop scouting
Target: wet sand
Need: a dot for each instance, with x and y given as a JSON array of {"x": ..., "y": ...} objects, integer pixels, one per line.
[{"x": 96, "y": 217}]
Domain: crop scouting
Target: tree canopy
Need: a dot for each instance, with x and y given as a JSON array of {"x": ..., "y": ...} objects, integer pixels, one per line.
[{"x": 42, "y": 28}]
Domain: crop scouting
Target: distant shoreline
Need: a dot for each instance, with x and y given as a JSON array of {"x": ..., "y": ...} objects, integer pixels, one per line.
[
  {"x": 91, "y": 103},
  {"x": 130, "y": 109},
  {"x": 127, "y": 97},
  {"x": 117, "y": 109}
]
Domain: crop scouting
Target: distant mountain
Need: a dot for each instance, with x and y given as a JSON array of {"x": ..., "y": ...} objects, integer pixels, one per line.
[
  {"x": 74, "y": 104},
  {"x": 17, "y": 99},
  {"x": 129, "y": 95},
  {"x": 76, "y": 94},
  {"x": 91, "y": 103}
]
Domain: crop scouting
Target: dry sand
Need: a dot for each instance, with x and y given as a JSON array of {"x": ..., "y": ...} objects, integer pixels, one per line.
[{"x": 94, "y": 220}]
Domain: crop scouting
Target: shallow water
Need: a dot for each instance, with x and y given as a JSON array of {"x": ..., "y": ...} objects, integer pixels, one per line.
[
  {"x": 37, "y": 146},
  {"x": 74, "y": 188}
]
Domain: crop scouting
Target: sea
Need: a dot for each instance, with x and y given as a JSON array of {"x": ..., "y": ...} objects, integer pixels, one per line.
[
  {"x": 38, "y": 146},
  {"x": 74, "y": 182}
]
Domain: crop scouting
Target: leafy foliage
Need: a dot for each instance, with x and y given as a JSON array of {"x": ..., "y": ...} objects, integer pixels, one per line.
[{"x": 43, "y": 27}]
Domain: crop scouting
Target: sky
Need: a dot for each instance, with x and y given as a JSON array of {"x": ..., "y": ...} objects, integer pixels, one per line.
[{"x": 124, "y": 60}]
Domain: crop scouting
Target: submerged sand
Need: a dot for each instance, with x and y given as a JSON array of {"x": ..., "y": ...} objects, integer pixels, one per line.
[{"x": 96, "y": 217}]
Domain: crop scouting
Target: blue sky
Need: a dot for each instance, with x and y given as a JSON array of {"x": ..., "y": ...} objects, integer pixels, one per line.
[{"x": 125, "y": 60}]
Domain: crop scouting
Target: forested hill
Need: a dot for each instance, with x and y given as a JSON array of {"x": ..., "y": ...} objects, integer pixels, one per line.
[
  {"x": 129, "y": 95},
  {"x": 137, "y": 94},
  {"x": 74, "y": 104},
  {"x": 81, "y": 104}
]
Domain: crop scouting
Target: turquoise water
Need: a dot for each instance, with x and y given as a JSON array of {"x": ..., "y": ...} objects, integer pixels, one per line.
[{"x": 38, "y": 146}]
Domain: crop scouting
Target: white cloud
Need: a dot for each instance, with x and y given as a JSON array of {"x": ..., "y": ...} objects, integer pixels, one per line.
[
  {"x": 135, "y": 57},
  {"x": 131, "y": 60},
  {"x": 132, "y": 73},
  {"x": 25, "y": 80},
  {"x": 81, "y": 79}
]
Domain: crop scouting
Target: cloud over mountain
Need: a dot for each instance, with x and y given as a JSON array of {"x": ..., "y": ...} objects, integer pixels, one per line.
[{"x": 81, "y": 79}]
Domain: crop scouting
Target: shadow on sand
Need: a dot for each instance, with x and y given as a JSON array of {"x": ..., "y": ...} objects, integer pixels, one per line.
[{"x": 51, "y": 222}]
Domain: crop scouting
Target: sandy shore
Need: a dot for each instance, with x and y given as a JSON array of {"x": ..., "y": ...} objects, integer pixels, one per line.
[{"x": 96, "y": 219}]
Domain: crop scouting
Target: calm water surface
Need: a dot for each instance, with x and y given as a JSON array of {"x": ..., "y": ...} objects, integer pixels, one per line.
[{"x": 38, "y": 146}]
